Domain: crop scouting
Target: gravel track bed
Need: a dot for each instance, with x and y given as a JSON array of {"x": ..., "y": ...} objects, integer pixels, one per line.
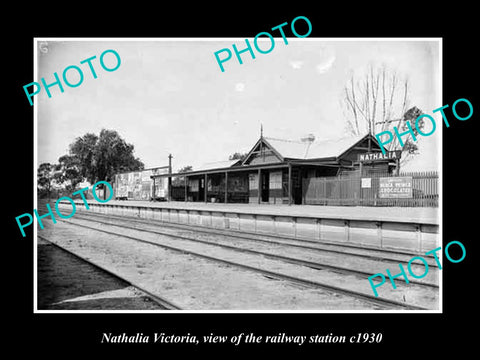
[
  {"x": 410, "y": 293},
  {"x": 370, "y": 266},
  {"x": 191, "y": 282}
]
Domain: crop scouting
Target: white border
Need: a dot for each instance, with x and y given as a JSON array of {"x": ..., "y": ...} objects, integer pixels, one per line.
[
  {"x": 35, "y": 166},
  {"x": 440, "y": 153}
]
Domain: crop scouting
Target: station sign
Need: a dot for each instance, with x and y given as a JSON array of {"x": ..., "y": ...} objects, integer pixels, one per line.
[{"x": 376, "y": 156}]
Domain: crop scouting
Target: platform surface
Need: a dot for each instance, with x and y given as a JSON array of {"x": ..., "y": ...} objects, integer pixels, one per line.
[{"x": 368, "y": 213}]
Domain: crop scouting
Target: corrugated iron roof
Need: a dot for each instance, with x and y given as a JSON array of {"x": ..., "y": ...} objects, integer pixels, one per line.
[
  {"x": 292, "y": 149},
  {"x": 217, "y": 164},
  {"x": 317, "y": 149}
]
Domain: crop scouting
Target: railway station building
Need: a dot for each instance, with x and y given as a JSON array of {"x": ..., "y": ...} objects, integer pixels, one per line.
[{"x": 276, "y": 171}]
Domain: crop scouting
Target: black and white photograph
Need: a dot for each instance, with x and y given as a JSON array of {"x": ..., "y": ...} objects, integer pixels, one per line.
[
  {"x": 299, "y": 180},
  {"x": 260, "y": 187}
]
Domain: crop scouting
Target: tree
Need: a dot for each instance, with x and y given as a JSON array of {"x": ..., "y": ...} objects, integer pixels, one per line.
[
  {"x": 111, "y": 155},
  {"x": 238, "y": 156},
  {"x": 180, "y": 181},
  {"x": 411, "y": 115},
  {"x": 82, "y": 150},
  {"x": 185, "y": 169},
  {"x": 99, "y": 158},
  {"x": 68, "y": 172},
  {"x": 45, "y": 179},
  {"x": 379, "y": 101}
]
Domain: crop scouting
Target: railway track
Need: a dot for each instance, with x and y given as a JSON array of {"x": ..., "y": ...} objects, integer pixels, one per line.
[
  {"x": 163, "y": 303},
  {"x": 226, "y": 244},
  {"x": 120, "y": 232},
  {"x": 366, "y": 251}
]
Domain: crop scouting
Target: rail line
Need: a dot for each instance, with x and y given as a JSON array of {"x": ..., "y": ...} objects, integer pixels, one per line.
[
  {"x": 311, "y": 264},
  {"x": 387, "y": 303},
  {"x": 325, "y": 245},
  {"x": 168, "y": 305}
]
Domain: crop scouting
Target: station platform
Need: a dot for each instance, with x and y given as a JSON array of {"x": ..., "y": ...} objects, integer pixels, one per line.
[
  {"x": 414, "y": 230},
  {"x": 420, "y": 215}
]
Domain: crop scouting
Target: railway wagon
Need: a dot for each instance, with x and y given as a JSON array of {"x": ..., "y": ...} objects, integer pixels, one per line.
[{"x": 138, "y": 185}]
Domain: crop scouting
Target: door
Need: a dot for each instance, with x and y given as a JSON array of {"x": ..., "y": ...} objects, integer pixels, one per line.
[
  {"x": 265, "y": 186},
  {"x": 201, "y": 189}
]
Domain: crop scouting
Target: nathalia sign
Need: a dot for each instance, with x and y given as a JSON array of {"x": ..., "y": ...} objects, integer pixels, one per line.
[{"x": 380, "y": 156}]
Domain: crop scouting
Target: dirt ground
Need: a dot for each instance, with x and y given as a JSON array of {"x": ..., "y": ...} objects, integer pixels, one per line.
[
  {"x": 193, "y": 283},
  {"x": 67, "y": 283}
]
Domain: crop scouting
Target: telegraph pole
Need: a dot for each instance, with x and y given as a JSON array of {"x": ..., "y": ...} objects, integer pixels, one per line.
[{"x": 170, "y": 177}]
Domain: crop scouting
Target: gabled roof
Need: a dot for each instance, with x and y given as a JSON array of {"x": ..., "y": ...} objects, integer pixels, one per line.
[
  {"x": 259, "y": 144},
  {"x": 315, "y": 150},
  {"x": 320, "y": 151}
]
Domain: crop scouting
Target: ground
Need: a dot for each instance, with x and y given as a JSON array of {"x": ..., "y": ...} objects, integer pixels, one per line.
[{"x": 67, "y": 283}]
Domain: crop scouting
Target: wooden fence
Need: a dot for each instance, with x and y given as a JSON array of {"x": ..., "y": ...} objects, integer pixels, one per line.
[{"x": 416, "y": 189}]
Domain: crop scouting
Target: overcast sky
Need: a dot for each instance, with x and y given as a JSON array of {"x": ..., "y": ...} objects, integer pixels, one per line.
[{"x": 169, "y": 96}]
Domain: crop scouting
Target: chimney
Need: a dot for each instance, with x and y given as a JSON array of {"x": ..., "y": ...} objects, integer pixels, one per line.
[{"x": 310, "y": 138}]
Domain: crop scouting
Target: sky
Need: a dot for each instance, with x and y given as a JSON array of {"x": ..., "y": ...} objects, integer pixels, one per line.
[{"x": 170, "y": 96}]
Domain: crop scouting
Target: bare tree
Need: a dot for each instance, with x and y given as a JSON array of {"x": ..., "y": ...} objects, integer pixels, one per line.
[{"x": 377, "y": 102}]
